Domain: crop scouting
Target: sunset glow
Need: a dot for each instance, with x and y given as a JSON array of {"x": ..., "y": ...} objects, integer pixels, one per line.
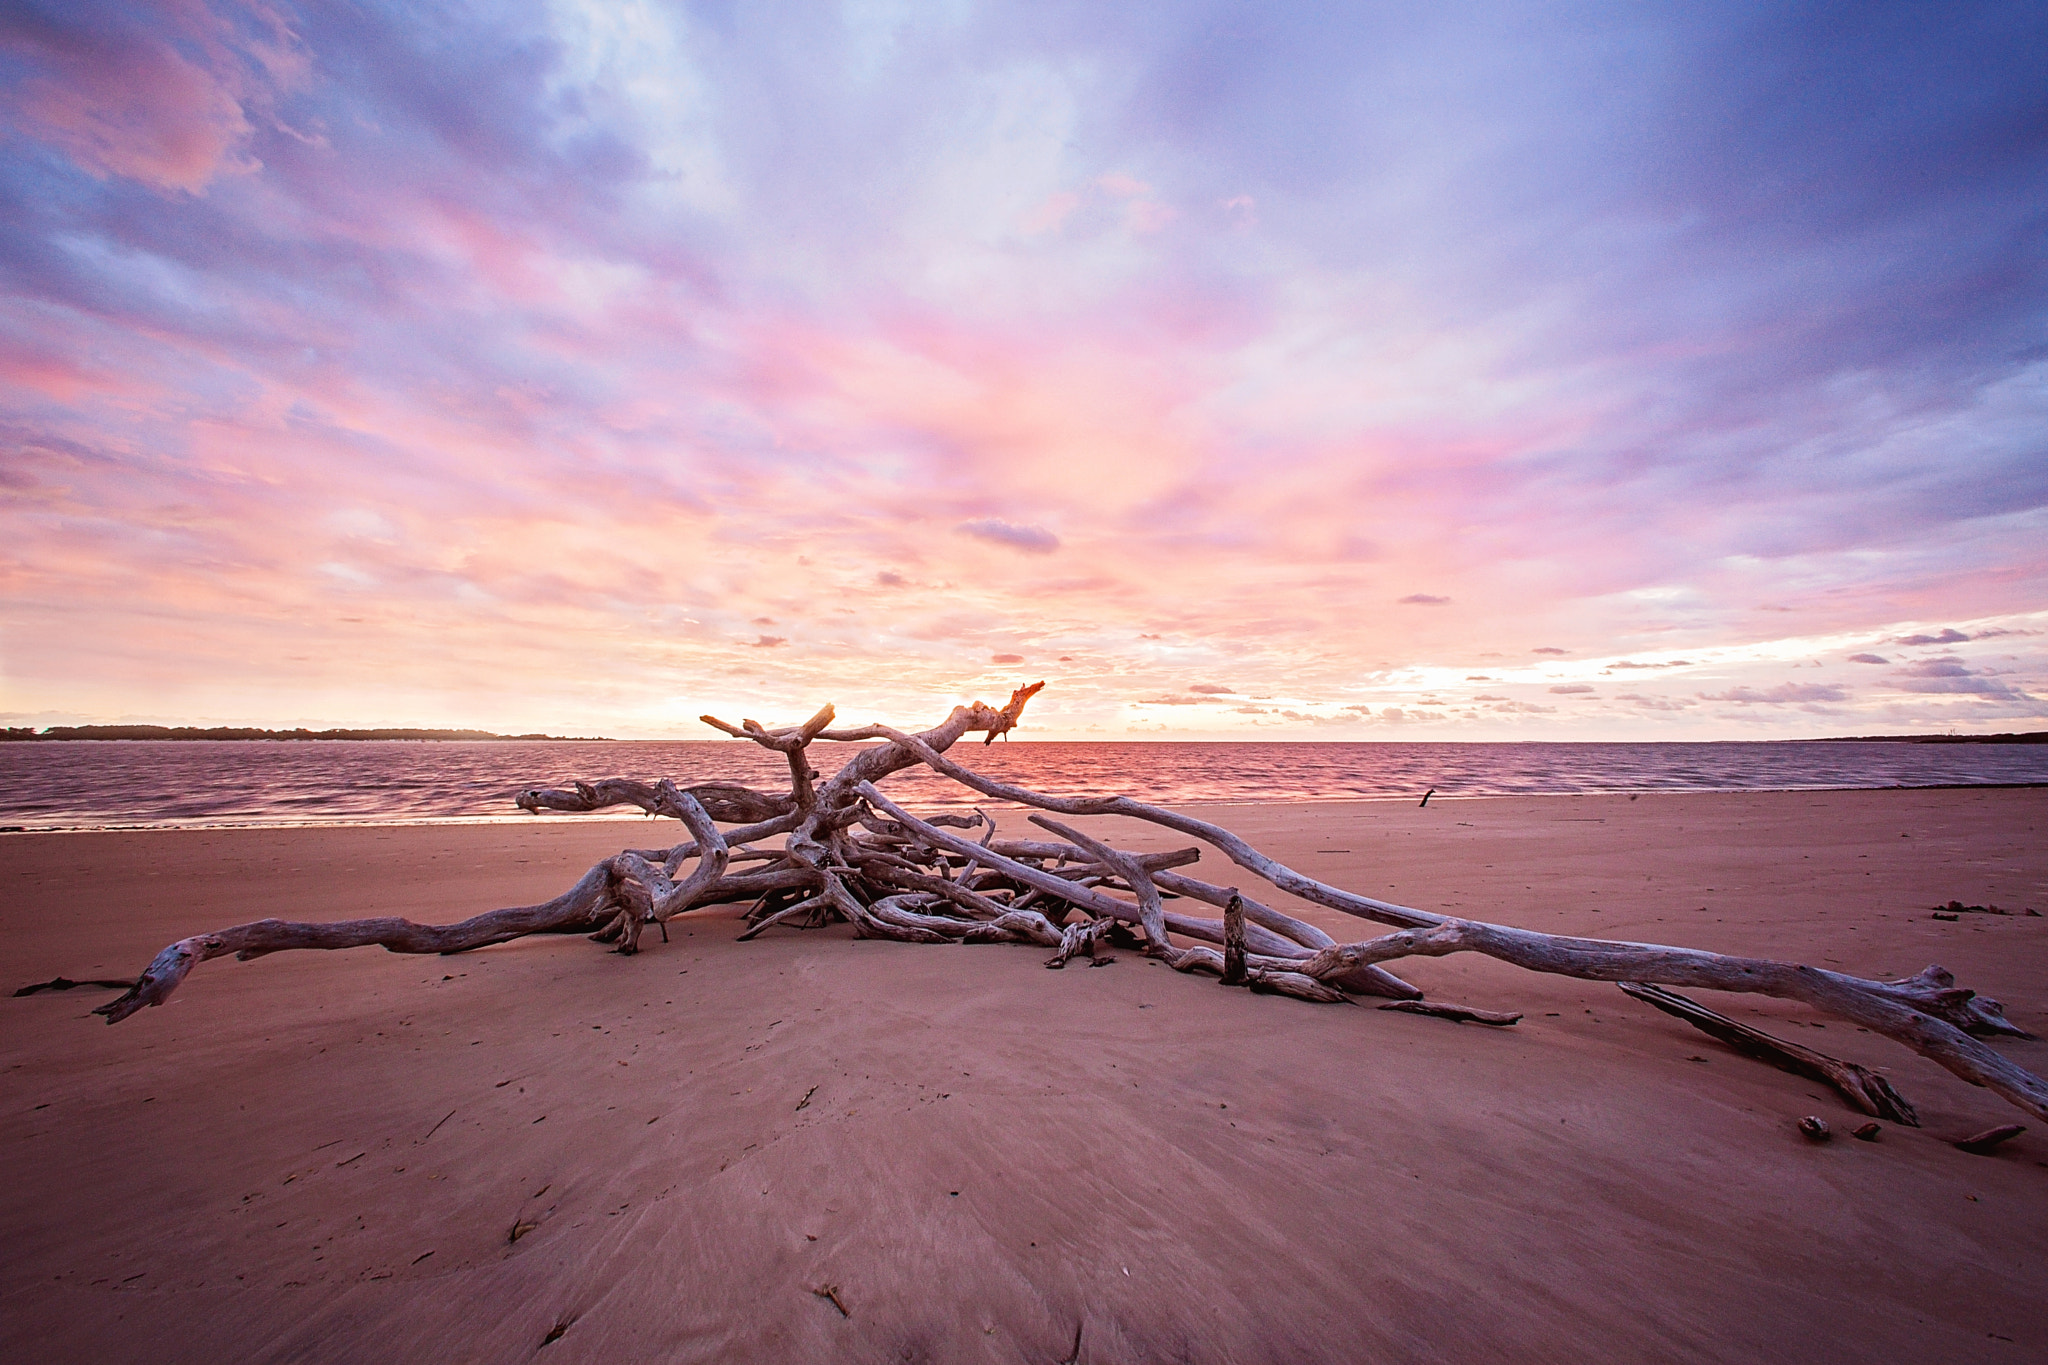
[{"x": 1244, "y": 372}]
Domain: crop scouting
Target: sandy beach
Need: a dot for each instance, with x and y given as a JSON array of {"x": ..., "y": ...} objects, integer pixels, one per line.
[{"x": 322, "y": 1156}]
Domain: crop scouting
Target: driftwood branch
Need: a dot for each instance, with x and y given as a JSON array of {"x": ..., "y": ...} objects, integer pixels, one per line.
[
  {"x": 1457, "y": 1014},
  {"x": 1865, "y": 1090},
  {"x": 848, "y": 853}
]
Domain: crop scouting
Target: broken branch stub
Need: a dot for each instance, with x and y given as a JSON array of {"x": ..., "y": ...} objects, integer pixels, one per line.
[
  {"x": 850, "y": 854},
  {"x": 1233, "y": 940}
]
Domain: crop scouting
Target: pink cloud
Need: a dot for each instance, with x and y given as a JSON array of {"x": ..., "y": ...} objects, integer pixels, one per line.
[
  {"x": 1051, "y": 214},
  {"x": 1146, "y": 216},
  {"x": 125, "y": 103}
]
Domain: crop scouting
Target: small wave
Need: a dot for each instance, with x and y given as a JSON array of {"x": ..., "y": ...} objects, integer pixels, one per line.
[{"x": 208, "y": 784}]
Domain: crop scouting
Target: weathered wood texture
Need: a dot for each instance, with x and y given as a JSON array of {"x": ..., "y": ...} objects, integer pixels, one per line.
[
  {"x": 849, "y": 853},
  {"x": 1864, "y": 1089}
]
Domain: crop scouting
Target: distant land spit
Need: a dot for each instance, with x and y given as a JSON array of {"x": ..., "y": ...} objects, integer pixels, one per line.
[
  {"x": 2030, "y": 737},
  {"x": 61, "y": 732}
]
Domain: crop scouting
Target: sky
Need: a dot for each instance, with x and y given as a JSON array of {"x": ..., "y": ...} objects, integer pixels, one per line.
[{"x": 1246, "y": 371}]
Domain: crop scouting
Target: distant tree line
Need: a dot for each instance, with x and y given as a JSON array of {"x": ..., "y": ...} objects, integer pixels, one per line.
[
  {"x": 61, "y": 732},
  {"x": 2030, "y": 737}
]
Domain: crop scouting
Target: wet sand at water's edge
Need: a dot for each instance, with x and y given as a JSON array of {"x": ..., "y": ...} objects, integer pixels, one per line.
[{"x": 321, "y": 1156}]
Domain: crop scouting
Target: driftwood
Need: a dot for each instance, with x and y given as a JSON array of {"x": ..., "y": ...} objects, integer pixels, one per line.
[
  {"x": 1457, "y": 1014},
  {"x": 848, "y": 853},
  {"x": 1986, "y": 1142},
  {"x": 1954, "y": 908},
  {"x": 65, "y": 983},
  {"x": 1865, "y": 1090}
]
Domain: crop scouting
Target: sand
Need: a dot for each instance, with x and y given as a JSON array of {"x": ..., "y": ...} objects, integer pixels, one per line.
[{"x": 320, "y": 1156}]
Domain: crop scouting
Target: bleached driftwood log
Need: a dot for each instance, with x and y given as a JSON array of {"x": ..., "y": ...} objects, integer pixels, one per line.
[{"x": 849, "y": 853}]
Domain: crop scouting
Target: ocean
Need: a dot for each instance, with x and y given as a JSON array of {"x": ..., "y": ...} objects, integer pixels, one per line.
[{"x": 143, "y": 784}]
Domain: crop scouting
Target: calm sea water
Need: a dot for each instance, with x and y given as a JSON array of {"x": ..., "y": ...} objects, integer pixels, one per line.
[{"x": 131, "y": 783}]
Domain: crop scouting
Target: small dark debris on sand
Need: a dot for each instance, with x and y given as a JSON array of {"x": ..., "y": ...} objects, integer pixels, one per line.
[{"x": 1954, "y": 908}]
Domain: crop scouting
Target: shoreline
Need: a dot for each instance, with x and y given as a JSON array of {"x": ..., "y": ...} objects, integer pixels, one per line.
[
  {"x": 621, "y": 816},
  {"x": 322, "y": 1155}
]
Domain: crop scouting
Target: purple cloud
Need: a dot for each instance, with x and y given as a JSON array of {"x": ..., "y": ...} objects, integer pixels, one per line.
[
  {"x": 1868, "y": 659},
  {"x": 1948, "y": 666},
  {"x": 1780, "y": 695},
  {"x": 1647, "y": 703},
  {"x": 1422, "y": 599},
  {"x": 1948, "y": 674},
  {"x": 1971, "y": 686},
  {"x": 164, "y": 109},
  {"x": 1034, "y": 540}
]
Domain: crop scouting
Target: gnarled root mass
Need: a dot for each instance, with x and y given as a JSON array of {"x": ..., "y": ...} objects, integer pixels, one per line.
[{"x": 849, "y": 853}]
